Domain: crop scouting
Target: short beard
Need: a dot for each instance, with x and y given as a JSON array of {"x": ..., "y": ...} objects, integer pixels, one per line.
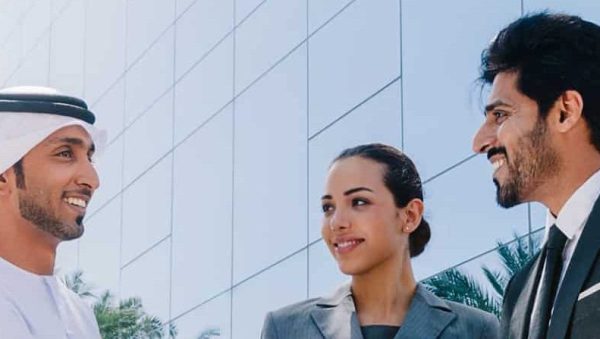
[
  {"x": 39, "y": 216},
  {"x": 535, "y": 162}
]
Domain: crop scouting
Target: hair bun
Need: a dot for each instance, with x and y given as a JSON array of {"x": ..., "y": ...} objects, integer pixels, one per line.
[{"x": 419, "y": 238}]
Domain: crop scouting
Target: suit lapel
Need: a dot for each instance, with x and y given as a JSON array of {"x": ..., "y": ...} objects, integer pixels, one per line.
[
  {"x": 519, "y": 322},
  {"x": 576, "y": 274},
  {"x": 427, "y": 316},
  {"x": 333, "y": 315}
]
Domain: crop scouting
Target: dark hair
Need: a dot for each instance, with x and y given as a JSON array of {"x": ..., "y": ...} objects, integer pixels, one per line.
[
  {"x": 19, "y": 173},
  {"x": 403, "y": 181},
  {"x": 551, "y": 53}
]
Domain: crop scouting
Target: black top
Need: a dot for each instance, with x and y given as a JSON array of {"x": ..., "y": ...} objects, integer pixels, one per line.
[
  {"x": 379, "y": 331},
  {"x": 46, "y": 103}
]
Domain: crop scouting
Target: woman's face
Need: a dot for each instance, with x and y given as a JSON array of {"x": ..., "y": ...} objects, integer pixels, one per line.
[{"x": 362, "y": 226}]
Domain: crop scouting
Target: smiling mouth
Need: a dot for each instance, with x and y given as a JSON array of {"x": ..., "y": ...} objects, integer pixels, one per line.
[
  {"x": 77, "y": 202},
  {"x": 497, "y": 164},
  {"x": 347, "y": 245}
]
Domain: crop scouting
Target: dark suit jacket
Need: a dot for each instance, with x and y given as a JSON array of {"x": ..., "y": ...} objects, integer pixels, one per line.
[
  {"x": 335, "y": 318},
  {"x": 577, "y": 308}
]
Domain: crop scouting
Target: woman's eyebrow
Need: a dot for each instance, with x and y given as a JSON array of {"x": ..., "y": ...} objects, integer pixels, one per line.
[
  {"x": 357, "y": 189},
  {"x": 348, "y": 192}
]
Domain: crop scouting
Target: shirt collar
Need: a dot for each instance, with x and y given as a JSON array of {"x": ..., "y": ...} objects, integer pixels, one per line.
[{"x": 577, "y": 209}]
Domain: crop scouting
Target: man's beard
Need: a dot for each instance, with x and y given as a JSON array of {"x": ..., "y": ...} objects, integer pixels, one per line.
[
  {"x": 533, "y": 162},
  {"x": 41, "y": 217}
]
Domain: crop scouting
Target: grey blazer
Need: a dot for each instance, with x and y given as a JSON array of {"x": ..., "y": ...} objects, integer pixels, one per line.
[{"x": 335, "y": 318}]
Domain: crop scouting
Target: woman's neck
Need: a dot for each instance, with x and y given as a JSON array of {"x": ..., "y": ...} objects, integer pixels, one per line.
[{"x": 383, "y": 295}]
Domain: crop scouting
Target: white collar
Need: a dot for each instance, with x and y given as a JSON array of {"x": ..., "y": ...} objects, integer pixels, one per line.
[
  {"x": 16, "y": 273},
  {"x": 573, "y": 215}
]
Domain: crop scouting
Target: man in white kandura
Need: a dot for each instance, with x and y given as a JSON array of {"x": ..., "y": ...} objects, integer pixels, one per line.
[{"x": 46, "y": 181}]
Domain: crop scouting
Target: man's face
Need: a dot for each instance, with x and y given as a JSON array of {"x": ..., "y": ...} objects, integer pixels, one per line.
[
  {"x": 55, "y": 182},
  {"x": 517, "y": 143}
]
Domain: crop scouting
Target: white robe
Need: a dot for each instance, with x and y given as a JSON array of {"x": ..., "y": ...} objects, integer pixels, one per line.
[{"x": 35, "y": 306}]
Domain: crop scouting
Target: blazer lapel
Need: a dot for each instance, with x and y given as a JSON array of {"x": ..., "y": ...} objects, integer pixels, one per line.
[
  {"x": 576, "y": 274},
  {"x": 333, "y": 315},
  {"x": 519, "y": 322},
  {"x": 427, "y": 316}
]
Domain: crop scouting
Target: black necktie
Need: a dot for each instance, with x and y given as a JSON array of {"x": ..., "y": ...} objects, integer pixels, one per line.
[{"x": 548, "y": 283}]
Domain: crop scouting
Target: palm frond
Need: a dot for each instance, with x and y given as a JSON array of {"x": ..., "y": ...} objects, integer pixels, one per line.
[
  {"x": 209, "y": 333},
  {"x": 457, "y": 286},
  {"x": 454, "y": 285},
  {"x": 75, "y": 283},
  {"x": 127, "y": 319},
  {"x": 498, "y": 280}
]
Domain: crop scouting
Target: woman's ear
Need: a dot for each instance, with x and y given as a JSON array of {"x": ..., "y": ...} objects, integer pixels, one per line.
[{"x": 412, "y": 214}]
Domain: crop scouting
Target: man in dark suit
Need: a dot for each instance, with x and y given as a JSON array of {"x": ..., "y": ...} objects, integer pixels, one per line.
[{"x": 542, "y": 135}]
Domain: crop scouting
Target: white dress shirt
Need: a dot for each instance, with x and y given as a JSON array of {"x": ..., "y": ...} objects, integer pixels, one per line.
[
  {"x": 573, "y": 216},
  {"x": 570, "y": 220},
  {"x": 35, "y": 306}
]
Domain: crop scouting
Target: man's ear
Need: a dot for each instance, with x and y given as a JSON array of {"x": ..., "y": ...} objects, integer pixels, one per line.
[
  {"x": 4, "y": 188},
  {"x": 570, "y": 105}
]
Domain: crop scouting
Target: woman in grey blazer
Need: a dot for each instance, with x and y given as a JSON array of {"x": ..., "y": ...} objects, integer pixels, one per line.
[{"x": 373, "y": 224}]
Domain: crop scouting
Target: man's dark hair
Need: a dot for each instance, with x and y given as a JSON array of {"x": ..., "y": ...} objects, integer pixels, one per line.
[
  {"x": 19, "y": 174},
  {"x": 403, "y": 181},
  {"x": 551, "y": 53}
]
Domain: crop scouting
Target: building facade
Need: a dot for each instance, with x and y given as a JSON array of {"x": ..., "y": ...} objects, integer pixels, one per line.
[{"x": 223, "y": 116}]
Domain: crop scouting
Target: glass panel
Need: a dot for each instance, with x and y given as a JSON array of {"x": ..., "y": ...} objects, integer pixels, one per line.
[
  {"x": 66, "y": 50},
  {"x": 10, "y": 18},
  {"x": 278, "y": 286},
  {"x": 212, "y": 319},
  {"x": 270, "y": 182},
  {"x": 182, "y": 6},
  {"x": 243, "y": 8},
  {"x": 199, "y": 29},
  {"x": 58, "y": 6},
  {"x": 35, "y": 24},
  {"x": 351, "y": 58},
  {"x": 149, "y": 78},
  {"x": 10, "y": 54},
  {"x": 34, "y": 68},
  {"x": 100, "y": 249},
  {"x": 147, "y": 210},
  {"x": 268, "y": 35},
  {"x": 321, "y": 11},
  {"x": 149, "y": 138},
  {"x": 204, "y": 90},
  {"x": 538, "y": 215},
  {"x": 202, "y": 221},
  {"x": 148, "y": 278},
  {"x": 146, "y": 20},
  {"x": 67, "y": 257},
  {"x": 587, "y": 9},
  {"x": 105, "y": 46}
]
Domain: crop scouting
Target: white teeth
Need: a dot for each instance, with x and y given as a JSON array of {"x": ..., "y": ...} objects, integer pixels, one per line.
[
  {"x": 496, "y": 164},
  {"x": 76, "y": 202},
  {"x": 347, "y": 243}
]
